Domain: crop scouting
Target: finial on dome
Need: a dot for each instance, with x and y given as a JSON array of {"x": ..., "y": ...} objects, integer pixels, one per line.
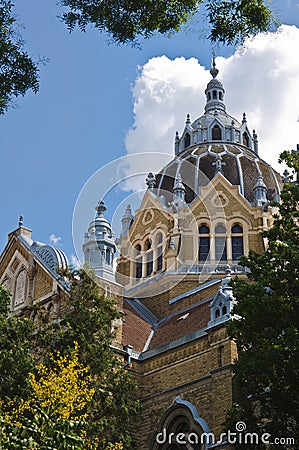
[
  {"x": 150, "y": 180},
  {"x": 100, "y": 208},
  {"x": 21, "y": 220},
  {"x": 214, "y": 71}
]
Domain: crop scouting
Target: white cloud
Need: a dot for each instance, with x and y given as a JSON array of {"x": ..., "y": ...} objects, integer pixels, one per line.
[
  {"x": 75, "y": 263},
  {"x": 261, "y": 79},
  {"x": 55, "y": 239}
]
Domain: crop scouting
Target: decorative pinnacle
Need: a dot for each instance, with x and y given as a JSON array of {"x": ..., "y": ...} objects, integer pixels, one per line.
[
  {"x": 21, "y": 220},
  {"x": 244, "y": 120},
  {"x": 286, "y": 176},
  {"x": 128, "y": 213},
  {"x": 260, "y": 182},
  {"x": 150, "y": 180},
  {"x": 226, "y": 280},
  {"x": 214, "y": 71},
  {"x": 100, "y": 208},
  {"x": 178, "y": 183},
  {"x": 188, "y": 119},
  {"x": 218, "y": 163}
]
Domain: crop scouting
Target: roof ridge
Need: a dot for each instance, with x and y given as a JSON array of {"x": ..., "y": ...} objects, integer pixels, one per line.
[
  {"x": 184, "y": 310},
  {"x": 194, "y": 290},
  {"x": 144, "y": 312}
]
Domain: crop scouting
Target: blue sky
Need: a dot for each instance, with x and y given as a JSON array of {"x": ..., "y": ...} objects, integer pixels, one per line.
[{"x": 54, "y": 141}]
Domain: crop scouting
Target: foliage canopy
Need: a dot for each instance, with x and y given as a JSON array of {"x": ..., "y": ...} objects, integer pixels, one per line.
[
  {"x": 18, "y": 72},
  {"x": 126, "y": 20},
  {"x": 112, "y": 411},
  {"x": 80, "y": 398},
  {"x": 266, "y": 328},
  {"x": 15, "y": 359}
]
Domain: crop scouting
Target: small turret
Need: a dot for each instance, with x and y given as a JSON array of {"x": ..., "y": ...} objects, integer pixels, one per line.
[{"x": 99, "y": 244}]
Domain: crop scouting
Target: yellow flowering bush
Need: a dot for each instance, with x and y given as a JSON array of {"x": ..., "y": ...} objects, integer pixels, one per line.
[
  {"x": 64, "y": 390},
  {"x": 55, "y": 414}
]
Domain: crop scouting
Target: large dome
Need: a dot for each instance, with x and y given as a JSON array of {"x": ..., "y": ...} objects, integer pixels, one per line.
[
  {"x": 217, "y": 142},
  {"x": 197, "y": 166}
]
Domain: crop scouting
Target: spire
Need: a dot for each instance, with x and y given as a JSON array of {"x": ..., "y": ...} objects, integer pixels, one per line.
[
  {"x": 255, "y": 143},
  {"x": 126, "y": 220},
  {"x": 214, "y": 71},
  {"x": 176, "y": 143},
  {"x": 21, "y": 220}
]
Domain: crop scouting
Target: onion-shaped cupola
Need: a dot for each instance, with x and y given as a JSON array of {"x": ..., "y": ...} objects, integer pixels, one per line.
[{"x": 99, "y": 244}]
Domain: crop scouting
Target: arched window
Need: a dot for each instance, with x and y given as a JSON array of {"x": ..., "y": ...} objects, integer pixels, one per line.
[
  {"x": 209, "y": 95},
  {"x": 216, "y": 133},
  {"x": 108, "y": 256},
  {"x": 187, "y": 140},
  {"x": 215, "y": 95},
  {"x": 237, "y": 242},
  {"x": 245, "y": 139},
  {"x": 91, "y": 257},
  {"x": 217, "y": 313},
  {"x": 204, "y": 243},
  {"x": 138, "y": 272},
  {"x": 220, "y": 243},
  {"x": 159, "y": 244},
  {"x": 148, "y": 257},
  {"x": 20, "y": 288},
  {"x": 181, "y": 417},
  {"x": 224, "y": 310},
  {"x": 220, "y": 96}
]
